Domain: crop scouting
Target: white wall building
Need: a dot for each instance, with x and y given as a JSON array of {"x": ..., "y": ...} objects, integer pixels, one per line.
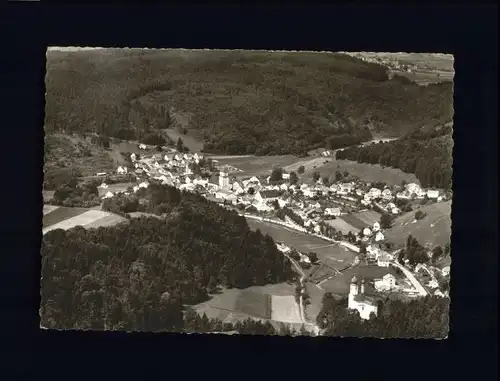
[{"x": 387, "y": 283}]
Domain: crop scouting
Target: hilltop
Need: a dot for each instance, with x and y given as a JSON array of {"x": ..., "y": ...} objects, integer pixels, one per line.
[{"x": 236, "y": 102}]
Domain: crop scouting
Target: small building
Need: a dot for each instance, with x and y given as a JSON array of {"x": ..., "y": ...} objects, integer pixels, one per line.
[
  {"x": 286, "y": 176},
  {"x": 133, "y": 157},
  {"x": 367, "y": 232},
  {"x": 108, "y": 195},
  {"x": 379, "y": 237},
  {"x": 267, "y": 195},
  {"x": 387, "y": 283},
  {"x": 142, "y": 146},
  {"x": 387, "y": 194},
  {"x": 432, "y": 194},
  {"x": 122, "y": 170},
  {"x": 445, "y": 271},
  {"x": 333, "y": 212},
  {"x": 376, "y": 226},
  {"x": 384, "y": 260},
  {"x": 144, "y": 184}
]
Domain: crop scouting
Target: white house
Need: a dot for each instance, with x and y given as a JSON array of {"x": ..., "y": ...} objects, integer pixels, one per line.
[
  {"x": 144, "y": 184},
  {"x": 367, "y": 232},
  {"x": 387, "y": 283},
  {"x": 432, "y": 194},
  {"x": 283, "y": 187},
  {"x": 266, "y": 196},
  {"x": 383, "y": 260},
  {"x": 395, "y": 211},
  {"x": 104, "y": 186},
  {"x": 121, "y": 170},
  {"x": 282, "y": 203},
  {"x": 387, "y": 194},
  {"x": 376, "y": 226},
  {"x": 237, "y": 188},
  {"x": 133, "y": 157},
  {"x": 374, "y": 193},
  {"x": 108, "y": 195},
  {"x": 317, "y": 229},
  {"x": 142, "y": 146},
  {"x": 286, "y": 176},
  {"x": 412, "y": 188},
  {"x": 445, "y": 270},
  {"x": 357, "y": 300},
  {"x": 332, "y": 212},
  {"x": 379, "y": 237}
]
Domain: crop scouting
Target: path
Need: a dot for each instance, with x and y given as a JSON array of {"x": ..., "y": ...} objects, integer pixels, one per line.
[{"x": 415, "y": 283}]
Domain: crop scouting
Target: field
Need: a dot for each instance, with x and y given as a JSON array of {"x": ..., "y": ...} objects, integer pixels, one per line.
[
  {"x": 365, "y": 172},
  {"x": 257, "y": 165},
  {"x": 315, "y": 296},
  {"x": 339, "y": 284},
  {"x": 369, "y": 217},
  {"x": 271, "y": 302},
  {"x": 341, "y": 225},
  {"x": 49, "y": 208},
  {"x": 309, "y": 164},
  {"x": 332, "y": 254},
  {"x": 434, "y": 229},
  {"x": 67, "y": 218},
  {"x": 189, "y": 141}
]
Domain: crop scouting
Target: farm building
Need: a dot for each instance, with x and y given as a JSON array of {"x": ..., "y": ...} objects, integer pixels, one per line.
[{"x": 387, "y": 283}]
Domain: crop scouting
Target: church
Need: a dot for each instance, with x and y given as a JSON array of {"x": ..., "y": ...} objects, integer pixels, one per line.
[{"x": 358, "y": 300}]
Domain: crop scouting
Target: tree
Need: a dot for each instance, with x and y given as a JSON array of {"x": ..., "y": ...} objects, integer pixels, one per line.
[
  {"x": 158, "y": 148},
  {"x": 419, "y": 215},
  {"x": 294, "y": 179},
  {"x": 316, "y": 176},
  {"x": 385, "y": 221},
  {"x": 251, "y": 191},
  {"x": 276, "y": 175},
  {"x": 313, "y": 257},
  {"x": 326, "y": 180},
  {"x": 301, "y": 169},
  {"x": 180, "y": 145},
  {"x": 338, "y": 176},
  {"x": 437, "y": 252}
]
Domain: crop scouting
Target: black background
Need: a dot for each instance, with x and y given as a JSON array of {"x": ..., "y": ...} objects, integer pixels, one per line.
[{"x": 470, "y": 33}]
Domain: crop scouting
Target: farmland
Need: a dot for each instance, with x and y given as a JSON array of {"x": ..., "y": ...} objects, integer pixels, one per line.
[
  {"x": 67, "y": 218},
  {"x": 271, "y": 302},
  {"x": 257, "y": 165},
  {"x": 343, "y": 226},
  {"x": 434, "y": 229},
  {"x": 369, "y": 217},
  {"x": 332, "y": 254}
]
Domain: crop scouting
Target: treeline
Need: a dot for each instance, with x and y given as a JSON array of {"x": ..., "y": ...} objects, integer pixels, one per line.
[
  {"x": 415, "y": 253},
  {"x": 428, "y": 156},
  {"x": 139, "y": 275},
  {"x": 422, "y": 318},
  {"x": 237, "y": 101},
  {"x": 287, "y": 212}
]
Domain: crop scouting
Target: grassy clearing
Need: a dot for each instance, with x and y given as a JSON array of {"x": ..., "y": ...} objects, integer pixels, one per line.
[
  {"x": 254, "y": 304},
  {"x": 49, "y": 208},
  {"x": 354, "y": 221},
  {"x": 257, "y": 165},
  {"x": 343, "y": 226},
  {"x": 434, "y": 229},
  {"x": 315, "y": 296},
  {"x": 332, "y": 254},
  {"x": 189, "y": 141},
  {"x": 369, "y": 217},
  {"x": 365, "y": 172},
  {"x": 110, "y": 220},
  {"x": 60, "y": 214},
  {"x": 88, "y": 218},
  {"x": 339, "y": 284},
  {"x": 310, "y": 165},
  {"x": 285, "y": 309}
]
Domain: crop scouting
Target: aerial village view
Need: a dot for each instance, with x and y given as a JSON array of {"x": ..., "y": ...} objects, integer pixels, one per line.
[{"x": 183, "y": 200}]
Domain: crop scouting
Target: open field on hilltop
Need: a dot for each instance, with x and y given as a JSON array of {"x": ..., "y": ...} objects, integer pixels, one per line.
[
  {"x": 342, "y": 226},
  {"x": 285, "y": 309},
  {"x": 68, "y": 218},
  {"x": 354, "y": 221},
  {"x": 365, "y": 172},
  {"x": 60, "y": 214},
  {"x": 334, "y": 255},
  {"x": 340, "y": 283},
  {"x": 257, "y": 165},
  {"x": 433, "y": 230},
  {"x": 369, "y": 217},
  {"x": 422, "y": 77},
  {"x": 49, "y": 208}
]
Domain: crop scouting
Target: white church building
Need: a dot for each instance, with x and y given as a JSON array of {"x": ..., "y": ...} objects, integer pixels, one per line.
[{"x": 358, "y": 300}]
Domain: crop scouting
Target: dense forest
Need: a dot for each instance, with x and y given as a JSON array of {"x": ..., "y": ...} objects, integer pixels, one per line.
[
  {"x": 422, "y": 318},
  {"x": 236, "y": 102},
  {"x": 141, "y": 274},
  {"x": 427, "y": 154}
]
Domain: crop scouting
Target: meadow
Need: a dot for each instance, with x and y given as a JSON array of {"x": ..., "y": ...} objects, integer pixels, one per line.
[
  {"x": 67, "y": 218},
  {"x": 257, "y": 165},
  {"x": 342, "y": 225},
  {"x": 433, "y": 230},
  {"x": 332, "y": 254},
  {"x": 365, "y": 172}
]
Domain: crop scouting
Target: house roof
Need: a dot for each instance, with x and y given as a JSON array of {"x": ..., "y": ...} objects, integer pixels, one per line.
[
  {"x": 214, "y": 179},
  {"x": 269, "y": 193}
]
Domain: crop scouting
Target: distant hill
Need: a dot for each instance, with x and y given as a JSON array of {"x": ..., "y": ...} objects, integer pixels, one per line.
[
  {"x": 433, "y": 230},
  {"x": 238, "y": 102}
]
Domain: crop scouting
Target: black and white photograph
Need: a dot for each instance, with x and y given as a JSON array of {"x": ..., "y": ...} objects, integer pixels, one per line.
[{"x": 291, "y": 193}]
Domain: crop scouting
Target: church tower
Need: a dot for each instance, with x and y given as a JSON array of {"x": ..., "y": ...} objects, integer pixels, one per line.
[
  {"x": 362, "y": 289},
  {"x": 353, "y": 291},
  {"x": 223, "y": 179}
]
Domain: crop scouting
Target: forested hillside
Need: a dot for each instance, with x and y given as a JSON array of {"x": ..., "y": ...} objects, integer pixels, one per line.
[
  {"x": 425, "y": 152},
  {"x": 236, "y": 102},
  {"x": 424, "y": 318},
  {"x": 141, "y": 275}
]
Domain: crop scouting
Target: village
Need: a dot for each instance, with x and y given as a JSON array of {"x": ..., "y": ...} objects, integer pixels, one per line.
[{"x": 317, "y": 209}]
